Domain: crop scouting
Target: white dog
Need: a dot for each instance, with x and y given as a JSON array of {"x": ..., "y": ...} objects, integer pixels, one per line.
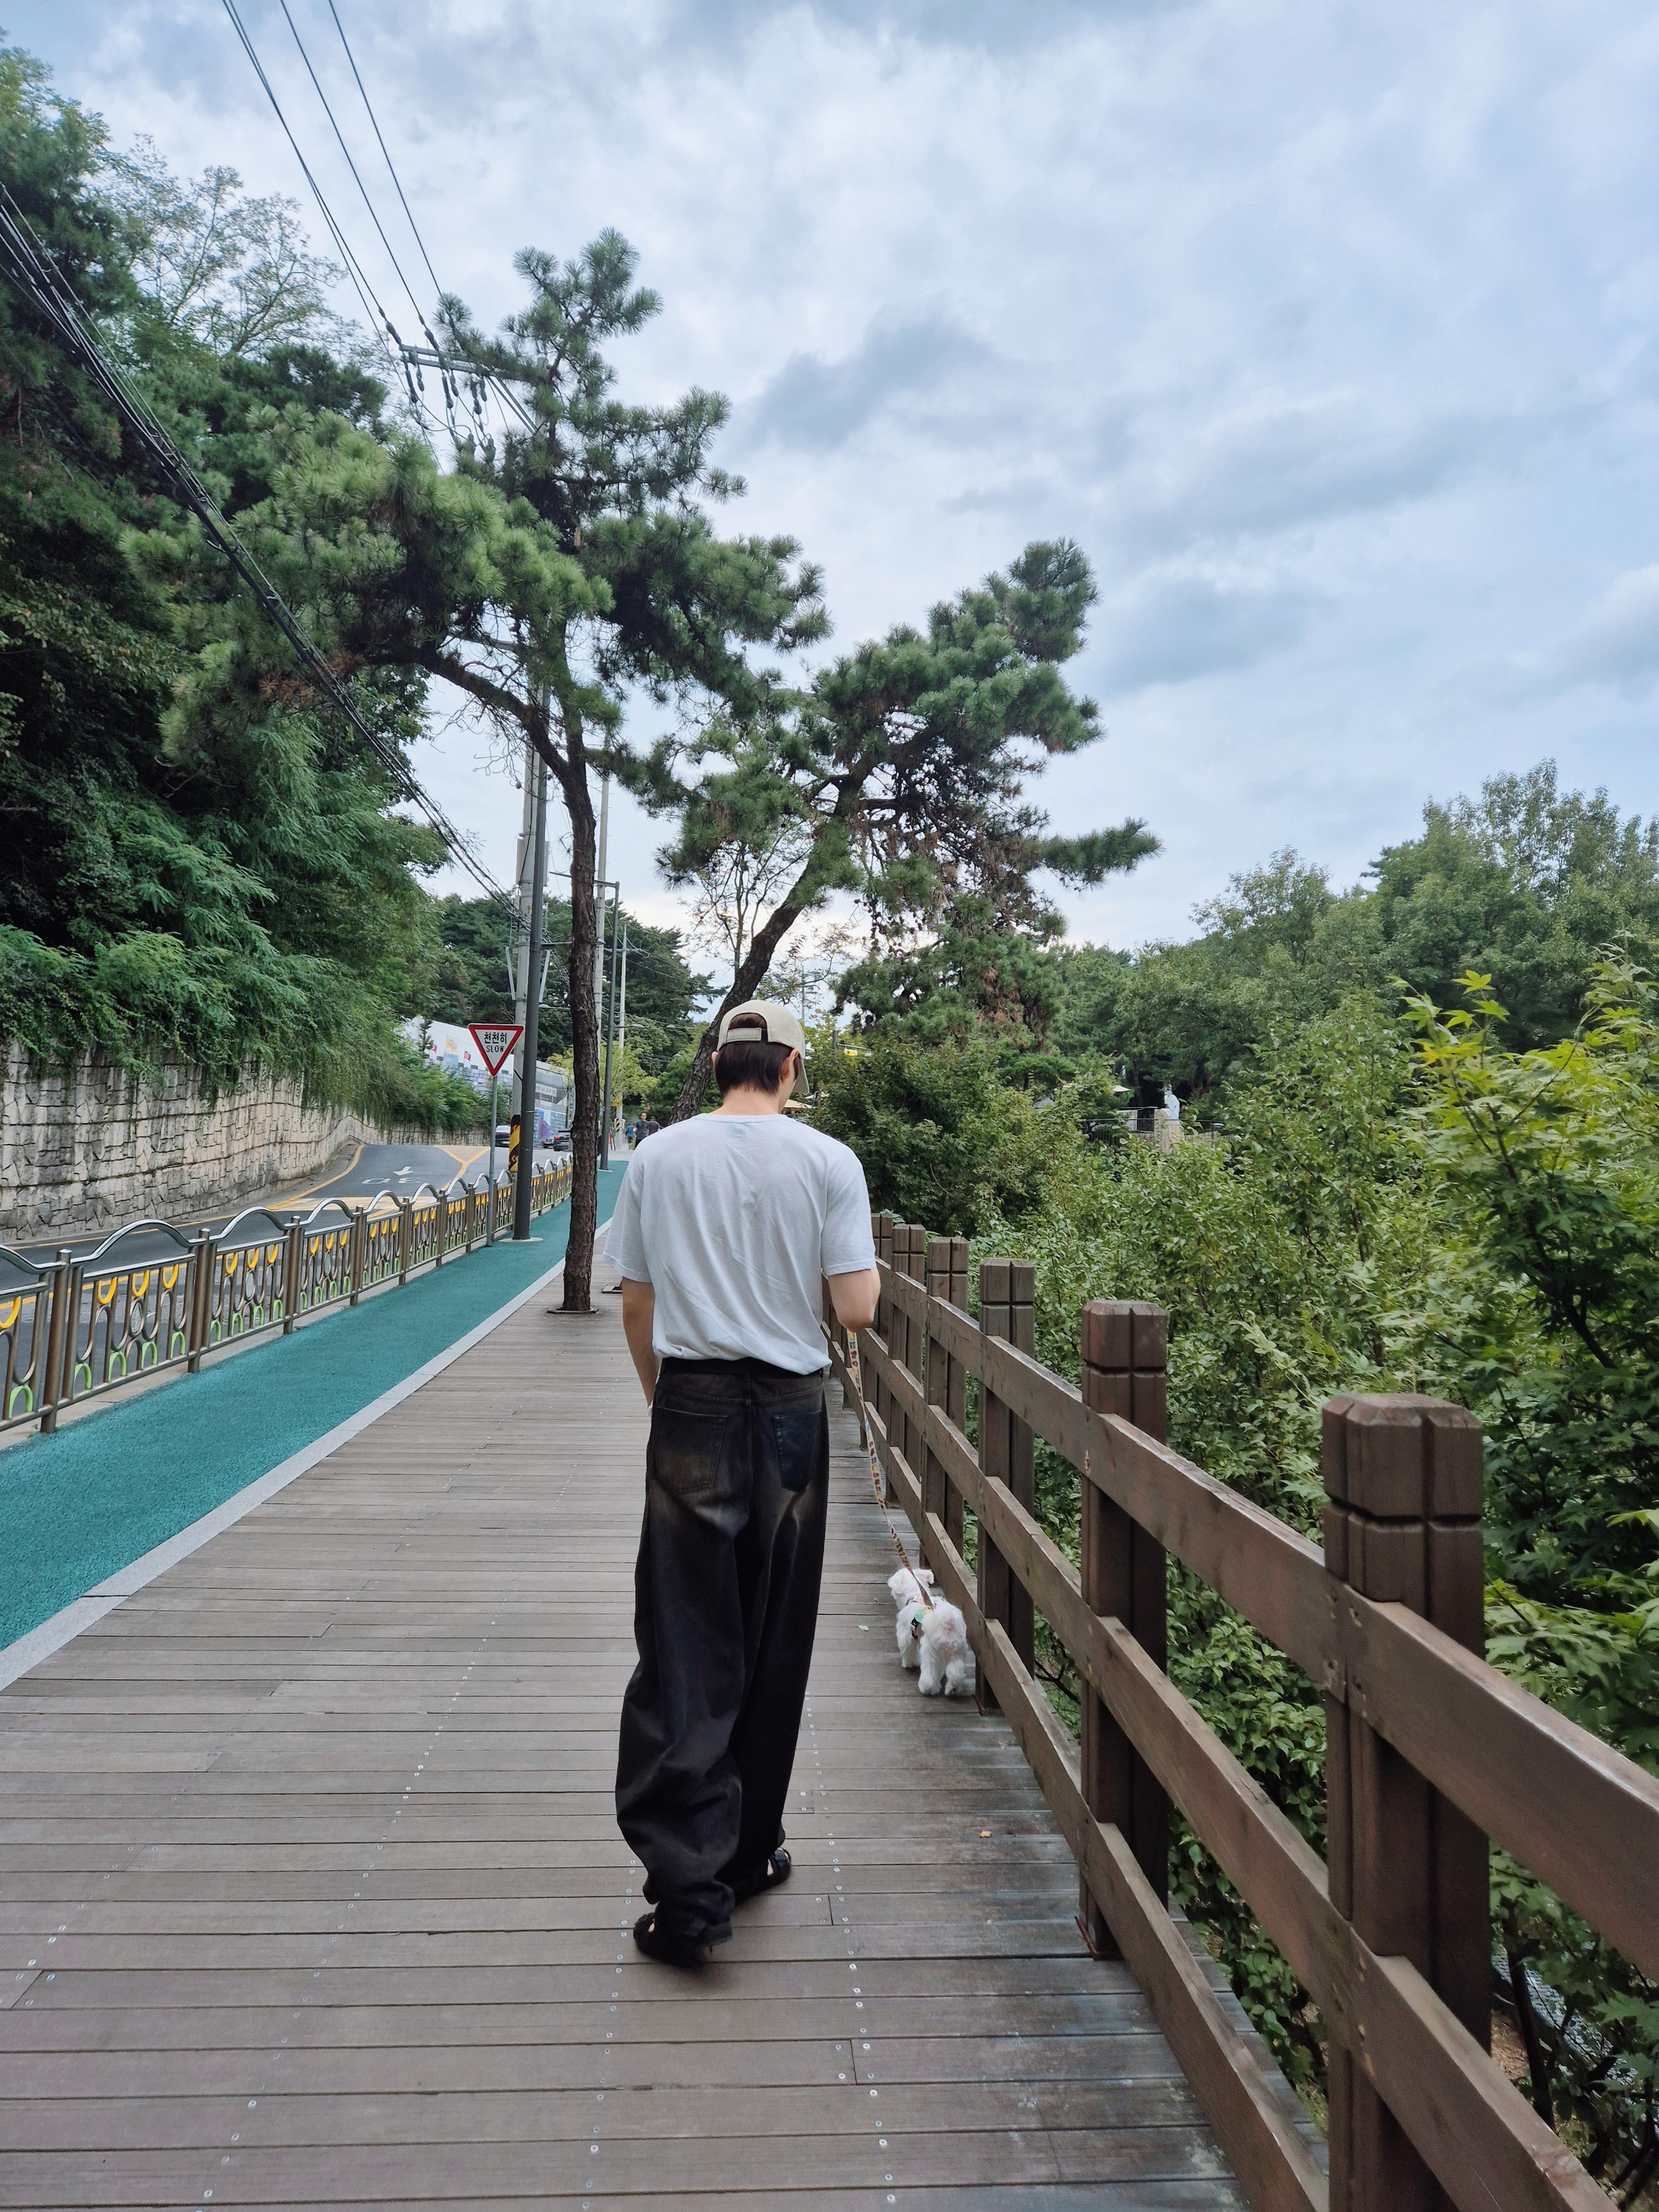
[
  {"x": 932, "y": 1639},
  {"x": 904, "y": 1587}
]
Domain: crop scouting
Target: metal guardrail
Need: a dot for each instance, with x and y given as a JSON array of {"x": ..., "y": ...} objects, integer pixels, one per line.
[{"x": 150, "y": 1297}]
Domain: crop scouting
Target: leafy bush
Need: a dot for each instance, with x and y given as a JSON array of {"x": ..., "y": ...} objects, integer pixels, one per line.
[
  {"x": 1479, "y": 1223},
  {"x": 942, "y": 1140}
]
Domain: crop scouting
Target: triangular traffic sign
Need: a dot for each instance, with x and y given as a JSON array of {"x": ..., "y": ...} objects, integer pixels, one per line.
[{"x": 495, "y": 1040}]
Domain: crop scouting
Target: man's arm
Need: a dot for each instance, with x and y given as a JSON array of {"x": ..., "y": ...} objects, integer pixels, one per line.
[
  {"x": 854, "y": 1297},
  {"x": 639, "y": 1303}
]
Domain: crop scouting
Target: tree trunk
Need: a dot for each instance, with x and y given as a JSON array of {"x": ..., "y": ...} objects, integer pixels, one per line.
[
  {"x": 584, "y": 1041},
  {"x": 753, "y": 966}
]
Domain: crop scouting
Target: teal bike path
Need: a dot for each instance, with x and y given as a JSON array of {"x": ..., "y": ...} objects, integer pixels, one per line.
[{"x": 78, "y": 1507}]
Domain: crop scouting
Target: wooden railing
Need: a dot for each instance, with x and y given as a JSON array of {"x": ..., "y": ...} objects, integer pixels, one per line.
[{"x": 1430, "y": 1752}]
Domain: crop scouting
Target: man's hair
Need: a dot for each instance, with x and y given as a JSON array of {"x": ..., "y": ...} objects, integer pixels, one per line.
[{"x": 746, "y": 1064}]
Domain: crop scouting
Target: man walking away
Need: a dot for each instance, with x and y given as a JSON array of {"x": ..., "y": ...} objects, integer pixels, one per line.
[{"x": 723, "y": 1228}]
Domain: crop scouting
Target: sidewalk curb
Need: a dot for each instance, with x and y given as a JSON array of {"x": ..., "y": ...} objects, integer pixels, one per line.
[{"x": 61, "y": 1628}]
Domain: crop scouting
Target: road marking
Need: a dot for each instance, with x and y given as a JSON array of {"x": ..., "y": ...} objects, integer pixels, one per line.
[{"x": 317, "y": 1188}]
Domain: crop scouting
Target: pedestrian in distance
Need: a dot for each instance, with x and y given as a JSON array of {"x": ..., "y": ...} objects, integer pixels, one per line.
[{"x": 725, "y": 1227}]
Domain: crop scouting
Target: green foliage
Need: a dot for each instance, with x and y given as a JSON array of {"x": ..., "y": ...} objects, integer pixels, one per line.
[
  {"x": 1548, "y": 1300},
  {"x": 226, "y": 889},
  {"x": 1525, "y": 884},
  {"x": 470, "y": 979},
  {"x": 1261, "y": 1708},
  {"x": 1539, "y": 1312},
  {"x": 942, "y": 1140},
  {"x": 898, "y": 774},
  {"x": 1464, "y": 1218}
]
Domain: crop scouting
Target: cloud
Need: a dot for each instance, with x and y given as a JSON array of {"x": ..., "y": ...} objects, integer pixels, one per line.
[
  {"x": 1326, "y": 333},
  {"x": 816, "y": 404},
  {"x": 1617, "y": 642},
  {"x": 1274, "y": 465},
  {"x": 993, "y": 26},
  {"x": 1180, "y": 628}
]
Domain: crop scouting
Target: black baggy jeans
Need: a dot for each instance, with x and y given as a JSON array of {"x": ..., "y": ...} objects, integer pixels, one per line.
[{"x": 726, "y": 1605}]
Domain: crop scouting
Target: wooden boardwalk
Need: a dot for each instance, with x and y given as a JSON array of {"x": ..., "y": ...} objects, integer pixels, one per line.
[{"x": 311, "y": 1893}]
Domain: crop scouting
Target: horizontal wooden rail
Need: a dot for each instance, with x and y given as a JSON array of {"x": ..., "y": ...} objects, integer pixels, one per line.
[
  {"x": 1481, "y": 2137},
  {"x": 1575, "y": 1812},
  {"x": 1265, "y": 1571},
  {"x": 1580, "y": 1817}
]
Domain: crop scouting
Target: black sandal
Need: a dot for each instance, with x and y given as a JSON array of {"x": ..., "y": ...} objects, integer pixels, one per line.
[
  {"x": 767, "y": 1875},
  {"x": 664, "y": 1944}
]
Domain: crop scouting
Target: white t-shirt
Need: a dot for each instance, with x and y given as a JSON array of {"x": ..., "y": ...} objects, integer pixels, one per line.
[{"x": 732, "y": 1219}]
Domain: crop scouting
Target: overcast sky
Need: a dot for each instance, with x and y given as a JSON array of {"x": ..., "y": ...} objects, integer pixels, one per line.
[{"x": 1328, "y": 332}]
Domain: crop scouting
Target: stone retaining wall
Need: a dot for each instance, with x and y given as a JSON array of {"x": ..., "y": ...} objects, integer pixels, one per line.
[{"x": 98, "y": 1146}]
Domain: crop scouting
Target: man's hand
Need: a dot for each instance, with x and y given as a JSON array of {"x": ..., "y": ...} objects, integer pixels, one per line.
[
  {"x": 639, "y": 1303},
  {"x": 854, "y": 1297}
]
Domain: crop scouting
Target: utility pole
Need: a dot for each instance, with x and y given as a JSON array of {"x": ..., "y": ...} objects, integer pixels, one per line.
[
  {"x": 523, "y": 879},
  {"x": 531, "y": 1041},
  {"x": 616, "y": 928},
  {"x": 598, "y": 895}
]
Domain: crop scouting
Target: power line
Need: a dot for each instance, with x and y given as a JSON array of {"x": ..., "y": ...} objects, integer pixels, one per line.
[
  {"x": 33, "y": 273},
  {"x": 365, "y": 290},
  {"x": 390, "y": 169},
  {"x": 402, "y": 356},
  {"x": 375, "y": 313},
  {"x": 495, "y": 383},
  {"x": 362, "y": 188}
]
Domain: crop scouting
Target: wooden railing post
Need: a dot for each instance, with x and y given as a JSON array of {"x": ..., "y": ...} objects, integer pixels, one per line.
[
  {"x": 911, "y": 1261},
  {"x": 946, "y": 1278},
  {"x": 1403, "y": 1477},
  {"x": 1123, "y": 1572},
  {"x": 955, "y": 1387},
  {"x": 1007, "y": 1289},
  {"x": 882, "y": 1225},
  {"x": 936, "y": 1281}
]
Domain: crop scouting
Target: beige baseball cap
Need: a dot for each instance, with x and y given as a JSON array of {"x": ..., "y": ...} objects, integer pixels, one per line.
[{"x": 766, "y": 1021}]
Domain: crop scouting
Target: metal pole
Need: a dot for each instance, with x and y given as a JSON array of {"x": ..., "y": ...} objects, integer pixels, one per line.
[
  {"x": 495, "y": 1078},
  {"x": 610, "y": 1033},
  {"x": 621, "y": 1012},
  {"x": 599, "y": 893},
  {"x": 523, "y": 1189}
]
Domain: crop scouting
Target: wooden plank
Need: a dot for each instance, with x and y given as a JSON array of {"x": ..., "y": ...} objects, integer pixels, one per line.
[
  {"x": 322, "y": 1821},
  {"x": 1264, "y": 1570},
  {"x": 660, "y": 2111},
  {"x": 1274, "y": 2166}
]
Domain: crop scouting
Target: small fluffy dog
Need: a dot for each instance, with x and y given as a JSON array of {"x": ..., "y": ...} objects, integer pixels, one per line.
[
  {"x": 904, "y": 1587},
  {"x": 932, "y": 1639}
]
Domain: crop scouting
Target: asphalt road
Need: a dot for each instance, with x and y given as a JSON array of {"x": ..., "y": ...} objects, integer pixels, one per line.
[{"x": 400, "y": 1169}]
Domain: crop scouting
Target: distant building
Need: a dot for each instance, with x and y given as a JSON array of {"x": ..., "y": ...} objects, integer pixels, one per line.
[{"x": 447, "y": 1046}]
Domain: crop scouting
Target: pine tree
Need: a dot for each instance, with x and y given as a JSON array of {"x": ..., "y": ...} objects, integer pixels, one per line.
[{"x": 903, "y": 766}]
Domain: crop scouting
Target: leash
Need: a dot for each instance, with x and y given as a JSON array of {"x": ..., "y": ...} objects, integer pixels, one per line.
[{"x": 875, "y": 1467}]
